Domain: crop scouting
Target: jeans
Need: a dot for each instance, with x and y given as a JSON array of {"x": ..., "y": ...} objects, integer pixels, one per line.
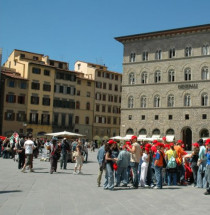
[
  {"x": 21, "y": 160},
  {"x": 63, "y": 161},
  {"x": 158, "y": 175},
  {"x": 109, "y": 177},
  {"x": 134, "y": 167},
  {"x": 194, "y": 168},
  {"x": 180, "y": 173},
  {"x": 201, "y": 181},
  {"x": 172, "y": 176},
  {"x": 100, "y": 172},
  {"x": 121, "y": 175}
]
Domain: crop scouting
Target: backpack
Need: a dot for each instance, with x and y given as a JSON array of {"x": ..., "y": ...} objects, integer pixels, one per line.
[{"x": 172, "y": 163}]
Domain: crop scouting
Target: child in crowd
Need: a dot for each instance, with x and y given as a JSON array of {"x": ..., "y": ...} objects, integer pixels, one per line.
[{"x": 79, "y": 159}]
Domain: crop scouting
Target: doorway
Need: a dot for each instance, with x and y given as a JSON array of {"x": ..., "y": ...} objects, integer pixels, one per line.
[{"x": 187, "y": 138}]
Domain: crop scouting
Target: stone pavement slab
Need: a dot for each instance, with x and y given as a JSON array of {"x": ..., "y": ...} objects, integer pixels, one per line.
[{"x": 41, "y": 193}]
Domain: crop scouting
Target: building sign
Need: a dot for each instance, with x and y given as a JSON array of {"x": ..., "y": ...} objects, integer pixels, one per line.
[{"x": 187, "y": 86}]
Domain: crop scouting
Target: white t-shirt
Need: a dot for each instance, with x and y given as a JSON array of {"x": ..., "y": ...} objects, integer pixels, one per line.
[
  {"x": 145, "y": 157},
  {"x": 29, "y": 144}
]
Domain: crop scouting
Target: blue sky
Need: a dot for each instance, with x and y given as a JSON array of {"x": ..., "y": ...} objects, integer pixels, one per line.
[{"x": 84, "y": 30}]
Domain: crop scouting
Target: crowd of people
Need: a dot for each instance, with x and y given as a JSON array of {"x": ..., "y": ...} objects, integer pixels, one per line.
[
  {"x": 152, "y": 165},
  {"x": 24, "y": 150}
]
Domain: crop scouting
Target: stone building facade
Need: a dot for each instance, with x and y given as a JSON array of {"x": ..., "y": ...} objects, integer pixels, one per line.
[{"x": 166, "y": 84}]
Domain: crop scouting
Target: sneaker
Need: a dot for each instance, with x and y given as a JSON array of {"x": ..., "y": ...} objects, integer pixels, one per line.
[
  {"x": 207, "y": 193},
  {"x": 152, "y": 185},
  {"x": 156, "y": 187},
  {"x": 31, "y": 170},
  {"x": 75, "y": 173},
  {"x": 124, "y": 185},
  {"x": 132, "y": 187},
  {"x": 23, "y": 170},
  {"x": 146, "y": 185}
]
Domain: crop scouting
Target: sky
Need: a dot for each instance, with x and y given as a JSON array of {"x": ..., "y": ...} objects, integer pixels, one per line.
[{"x": 68, "y": 30}]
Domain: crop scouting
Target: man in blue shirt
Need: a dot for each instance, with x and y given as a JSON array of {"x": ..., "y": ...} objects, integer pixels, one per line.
[
  {"x": 207, "y": 173},
  {"x": 101, "y": 159}
]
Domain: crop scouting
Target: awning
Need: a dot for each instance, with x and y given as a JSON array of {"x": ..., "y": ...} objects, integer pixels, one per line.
[
  {"x": 169, "y": 138},
  {"x": 127, "y": 137},
  {"x": 142, "y": 137}
]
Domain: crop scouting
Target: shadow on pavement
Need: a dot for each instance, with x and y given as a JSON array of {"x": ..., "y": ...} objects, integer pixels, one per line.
[{"x": 10, "y": 191}]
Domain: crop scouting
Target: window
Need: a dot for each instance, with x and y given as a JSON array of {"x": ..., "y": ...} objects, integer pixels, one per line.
[
  {"x": 157, "y": 101},
  {"x": 61, "y": 89},
  {"x": 45, "y": 120},
  {"x": 144, "y": 79},
  {"x": 98, "y": 96},
  {"x": 88, "y": 94},
  {"x": 104, "y": 97},
  {"x": 77, "y": 105},
  {"x": 22, "y": 55},
  {"x": 172, "y": 53},
  {"x": 46, "y": 101},
  {"x": 130, "y": 131},
  {"x": 78, "y": 92},
  {"x": 60, "y": 65},
  {"x": 34, "y": 100},
  {"x": 110, "y": 86},
  {"x": 34, "y": 118},
  {"x": 11, "y": 83},
  {"x": 156, "y": 131},
  {"x": 104, "y": 85},
  {"x": 145, "y": 56},
  {"x": 157, "y": 76},
  {"x": 204, "y": 116},
  {"x": 132, "y": 57},
  {"x": 110, "y": 98},
  {"x": 51, "y": 63},
  {"x": 55, "y": 119},
  {"x": 89, "y": 84},
  {"x": 115, "y": 120},
  {"x": 116, "y": 77},
  {"x": 87, "y": 106},
  {"x": 78, "y": 82},
  {"x": 205, "y": 49},
  {"x": 131, "y": 78},
  {"x": 143, "y": 131},
  {"x": 187, "y": 116},
  {"x": 103, "y": 108},
  {"x": 171, "y": 101},
  {"x": 187, "y": 74},
  {"x": 21, "y": 99},
  {"x": 46, "y": 87},
  {"x": 35, "y": 58},
  {"x": 156, "y": 117},
  {"x": 87, "y": 120},
  {"x": 130, "y": 102},
  {"x": 158, "y": 55},
  {"x": 9, "y": 115},
  {"x": 143, "y": 102},
  {"x": 98, "y": 84},
  {"x": 129, "y": 117},
  {"x": 204, "y": 73},
  {"x": 171, "y": 75},
  {"x": 109, "y": 109},
  {"x": 115, "y": 87},
  {"x": 188, "y": 51},
  {"x": 204, "y": 99},
  {"x": 143, "y": 117},
  {"x": 97, "y": 107},
  {"x": 170, "y": 117},
  {"x": 47, "y": 72},
  {"x": 108, "y": 120},
  {"x": 187, "y": 100},
  {"x": 35, "y": 86},
  {"x": 204, "y": 133},
  {"x": 10, "y": 98},
  {"x": 115, "y": 99},
  {"x": 21, "y": 116},
  {"x": 99, "y": 74},
  {"x": 36, "y": 70},
  {"x": 23, "y": 85},
  {"x": 76, "y": 119},
  {"x": 63, "y": 119}
]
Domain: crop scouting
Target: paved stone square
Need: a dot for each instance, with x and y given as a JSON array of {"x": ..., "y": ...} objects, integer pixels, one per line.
[{"x": 64, "y": 193}]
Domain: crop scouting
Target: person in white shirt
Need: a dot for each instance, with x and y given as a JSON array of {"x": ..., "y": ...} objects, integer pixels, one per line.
[{"x": 29, "y": 147}]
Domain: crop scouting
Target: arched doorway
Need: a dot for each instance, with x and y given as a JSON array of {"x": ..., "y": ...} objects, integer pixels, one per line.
[{"x": 187, "y": 138}]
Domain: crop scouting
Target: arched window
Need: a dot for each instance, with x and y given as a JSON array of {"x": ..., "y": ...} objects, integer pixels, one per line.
[
  {"x": 143, "y": 131},
  {"x": 171, "y": 101},
  {"x": 88, "y": 106},
  {"x": 188, "y": 51},
  {"x": 170, "y": 132},
  {"x": 76, "y": 119},
  {"x": 157, "y": 76},
  {"x": 187, "y": 74},
  {"x": 187, "y": 100},
  {"x": 156, "y": 131},
  {"x": 157, "y": 101},
  {"x": 130, "y": 131},
  {"x": 131, "y": 78},
  {"x": 144, "y": 78},
  {"x": 205, "y": 73},
  {"x": 171, "y": 75},
  {"x": 77, "y": 105},
  {"x": 132, "y": 57},
  {"x": 204, "y": 133},
  {"x": 205, "y": 49},
  {"x": 87, "y": 120},
  {"x": 158, "y": 54},
  {"x": 204, "y": 99},
  {"x": 143, "y": 101},
  {"x": 130, "y": 102}
]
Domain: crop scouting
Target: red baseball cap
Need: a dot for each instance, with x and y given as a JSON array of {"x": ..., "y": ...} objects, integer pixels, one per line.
[
  {"x": 164, "y": 138},
  {"x": 196, "y": 145},
  {"x": 133, "y": 137}
]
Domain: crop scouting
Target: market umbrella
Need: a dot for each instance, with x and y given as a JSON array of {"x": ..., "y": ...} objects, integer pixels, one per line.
[
  {"x": 64, "y": 134},
  {"x": 116, "y": 138}
]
